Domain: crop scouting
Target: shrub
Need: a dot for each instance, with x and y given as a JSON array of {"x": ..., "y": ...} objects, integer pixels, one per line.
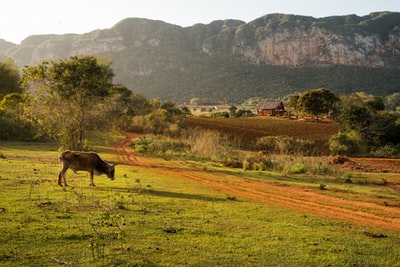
[
  {"x": 320, "y": 169},
  {"x": 165, "y": 145},
  {"x": 387, "y": 151},
  {"x": 140, "y": 145},
  {"x": 345, "y": 143},
  {"x": 286, "y": 145},
  {"x": 198, "y": 143},
  {"x": 233, "y": 163},
  {"x": 348, "y": 180},
  {"x": 297, "y": 168},
  {"x": 159, "y": 144},
  {"x": 223, "y": 114},
  {"x": 267, "y": 143},
  {"x": 258, "y": 163}
]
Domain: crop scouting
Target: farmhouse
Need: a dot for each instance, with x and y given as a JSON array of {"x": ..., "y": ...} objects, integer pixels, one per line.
[{"x": 270, "y": 108}]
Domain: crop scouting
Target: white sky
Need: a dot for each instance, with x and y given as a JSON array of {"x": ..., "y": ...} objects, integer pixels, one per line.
[{"x": 22, "y": 18}]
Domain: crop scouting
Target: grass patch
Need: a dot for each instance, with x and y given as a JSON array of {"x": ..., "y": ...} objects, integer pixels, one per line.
[{"x": 148, "y": 218}]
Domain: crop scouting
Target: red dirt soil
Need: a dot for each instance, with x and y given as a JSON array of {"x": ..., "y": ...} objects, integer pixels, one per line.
[{"x": 368, "y": 210}]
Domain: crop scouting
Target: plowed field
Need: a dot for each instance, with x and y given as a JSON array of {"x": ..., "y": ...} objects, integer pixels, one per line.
[
  {"x": 359, "y": 209},
  {"x": 245, "y": 131}
]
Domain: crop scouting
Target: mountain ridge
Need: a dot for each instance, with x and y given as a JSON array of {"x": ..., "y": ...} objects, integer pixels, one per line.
[{"x": 231, "y": 60}]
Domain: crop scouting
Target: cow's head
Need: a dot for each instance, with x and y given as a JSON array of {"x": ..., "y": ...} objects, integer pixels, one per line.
[{"x": 111, "y": 171}]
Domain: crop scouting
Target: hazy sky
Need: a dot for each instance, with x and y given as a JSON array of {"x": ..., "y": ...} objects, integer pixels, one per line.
[{"x": 22, "y": 18}]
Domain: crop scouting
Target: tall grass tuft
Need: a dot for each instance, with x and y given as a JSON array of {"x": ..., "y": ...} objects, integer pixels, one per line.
[{"x": 209, "y": 144}]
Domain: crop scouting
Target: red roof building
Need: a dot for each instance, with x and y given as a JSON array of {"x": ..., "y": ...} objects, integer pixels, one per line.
[{"x": 270, "y": 108}]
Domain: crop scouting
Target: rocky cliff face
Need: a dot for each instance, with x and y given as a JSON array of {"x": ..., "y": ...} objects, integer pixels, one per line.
[
  {"x": 315, "y": 46},
  {"x": 47, "y": 47},
  {"x": 228, "y": 61},
  {"x": 372, "y": 41},
  {"x": 275, "y": 39}
]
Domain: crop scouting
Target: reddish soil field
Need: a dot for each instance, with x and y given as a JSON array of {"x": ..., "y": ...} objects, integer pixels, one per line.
[
  {"x": 244, "y": 132},
  {"x": 362, "y": 209}
]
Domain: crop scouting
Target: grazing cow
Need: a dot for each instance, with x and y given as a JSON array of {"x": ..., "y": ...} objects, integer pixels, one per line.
[{"x": 84, "y": 161}]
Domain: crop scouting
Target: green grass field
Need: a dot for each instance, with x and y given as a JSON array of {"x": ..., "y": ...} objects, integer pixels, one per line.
[{"x": 145, "y": 218}]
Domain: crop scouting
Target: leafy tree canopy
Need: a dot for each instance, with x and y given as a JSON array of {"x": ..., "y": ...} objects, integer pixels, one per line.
[
  {"x": 66, "y": 98},
  {"x": 392, "y": 102},
  {"x": 317, "y": 101},
  {"x": 378, "y": 130},
  {"x": 9, "y": 78}
]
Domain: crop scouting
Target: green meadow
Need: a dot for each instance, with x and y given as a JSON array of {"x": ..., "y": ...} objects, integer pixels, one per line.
[{"x": 146, "y": 218}]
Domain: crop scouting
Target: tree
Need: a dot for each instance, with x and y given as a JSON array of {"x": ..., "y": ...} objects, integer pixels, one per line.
[
  {"x": 66, "y": 98},
  {"x": 376, "y": 103},
  {"x": 355, "y": 117},
  {"x": 293, "y": 103},
  {"x": 317, "y": 102},
  {"x": 363, "y": 115},
  {"x": 386, "y": 128},
  {"x": 194, "y": 101},
  {"x": 9, "y": 78},
  {"x": 123, "y": 104},
  {"x": 392, "y": 102},
  {"x": 12, "y": 122},
  {"x": 165, "y": 118},
  {"x": 232, "y": 111},
  {"x": 349, "y": 143}
]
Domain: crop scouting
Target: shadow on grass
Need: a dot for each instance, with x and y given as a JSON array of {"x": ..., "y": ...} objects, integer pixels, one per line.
[
  {"x": 161, "y": 193},
  {"x": 169, "y": 194}
]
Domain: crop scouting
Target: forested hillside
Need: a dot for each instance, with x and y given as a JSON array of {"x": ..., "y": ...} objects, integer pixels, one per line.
[{"x": 229, "y": 61}]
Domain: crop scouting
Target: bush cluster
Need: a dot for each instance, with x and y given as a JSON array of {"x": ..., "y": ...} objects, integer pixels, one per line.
[
  {"x": 258, "y": 163},
  {"x": 204, "y": 144},
  {"x": 286, "y": 145},
  {"x": 161, "y": 145}
]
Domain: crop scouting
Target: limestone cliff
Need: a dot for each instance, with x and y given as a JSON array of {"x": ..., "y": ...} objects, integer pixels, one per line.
[
  {"x": 289, "y": 40},
  {"x": 230, "y": 60},
  {"x": 316, "y": 46},
  {"x": 275, "y": 39}
]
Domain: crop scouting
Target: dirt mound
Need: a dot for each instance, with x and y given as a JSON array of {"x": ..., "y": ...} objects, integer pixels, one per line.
[
  {"x": 367, "y": 164},
  {"x": 339, "y": 160},
  {"x": 377, "y": 164}
]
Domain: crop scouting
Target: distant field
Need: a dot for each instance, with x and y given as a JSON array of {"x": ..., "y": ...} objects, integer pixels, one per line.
[{"x": 245, "y": 131}]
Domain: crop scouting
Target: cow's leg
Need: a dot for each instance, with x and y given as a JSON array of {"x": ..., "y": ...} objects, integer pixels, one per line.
[
  {"x": 65, "y": 178},
  {"x": 62, "y": 176},
  {"x": 91, "y": 177}
]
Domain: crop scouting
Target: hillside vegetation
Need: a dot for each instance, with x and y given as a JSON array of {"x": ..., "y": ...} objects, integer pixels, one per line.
[
  {"x": 228, "y": 80},
  {"x": 229, "y": 61}
]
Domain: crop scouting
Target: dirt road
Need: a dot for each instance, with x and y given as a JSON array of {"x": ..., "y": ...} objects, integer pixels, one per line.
[{"x": 364, "y": 210}]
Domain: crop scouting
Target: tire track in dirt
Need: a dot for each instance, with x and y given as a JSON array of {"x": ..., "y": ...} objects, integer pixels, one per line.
[
  {"x": 125, "y": 154},
  {"x": 298, "y": 199},
  {"x": 291, "y": 197}
]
